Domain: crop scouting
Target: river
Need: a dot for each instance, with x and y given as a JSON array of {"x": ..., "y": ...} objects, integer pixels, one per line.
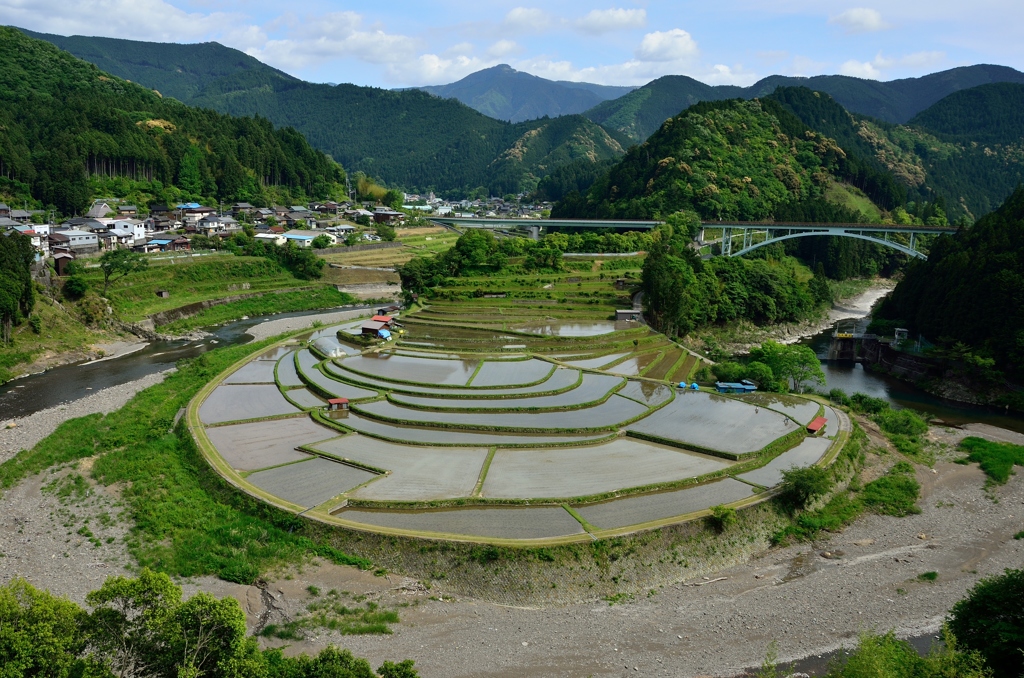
[
  {"x": 853, "y": 378},
  {"x": 67, "y": 383}
]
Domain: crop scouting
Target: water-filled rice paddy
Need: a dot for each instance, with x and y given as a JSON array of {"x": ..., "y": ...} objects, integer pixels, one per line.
[
  {"x": 595, "y": 363},
  {"x": 580, "y": 471},
  {"x": 471, "y": 419},
  {"x": 248, "y": 447},
  {"x": 650, "y": 507},
  {"x": 646, "y": 392},
  {"x": 613, "y": 411},
  {"x": 308, "y": 483},
  {"x": 832, "y": 428},
  {"x": 503, "y": 523},
  {"x": 236, "y": 402},
  {"x": 335, "y": 388},
  {"x": 256, "y": 372},
  {"x": 287, "y": 375},
  {"x": 304, "y": 398},
  {"x": 803, "y": 411},
  {"x": 419, "y": 370},
  {"x": 593, "y": 388},
  {"x": 511, "y": 373},
  {"x": 714, "y": 422},
  {"x": 805, "y": 454},
  {"x": 434, "y": 436},
  {"x": 417, "y": 473},
  {"x": 559, "y": 380}
]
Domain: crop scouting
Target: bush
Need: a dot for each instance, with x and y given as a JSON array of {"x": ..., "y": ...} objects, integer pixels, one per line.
[
  {"x": 865, "y": 403},
  {"x": 839, "y": 397},
  {"x": 895, "y": 493},
  {"x": 722, "y": 517},
  {"x": 801, "y": 485},
  {"x": 901, "y": 422},
  {"x": 996, "y": 459},
  {"x": 990, "y": 620},
  {"x": 75, "y": 288}
]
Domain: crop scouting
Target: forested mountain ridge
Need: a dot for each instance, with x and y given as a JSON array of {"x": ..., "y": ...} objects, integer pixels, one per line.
[
  {"x": 969, "y": 291},
  {"x": 70, "y": 130},
  {"x": 407, "y": 138},
  {"x": 731, "y": 159},
  {"x": 641, "y": 112},
  {"x": 507, "y": 94}
]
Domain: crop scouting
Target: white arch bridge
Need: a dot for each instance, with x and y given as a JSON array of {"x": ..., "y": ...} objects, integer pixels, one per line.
[{"x": 737, "y": 237}]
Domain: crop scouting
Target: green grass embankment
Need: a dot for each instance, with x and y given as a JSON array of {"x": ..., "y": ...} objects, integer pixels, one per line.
[
  {"x": 186, "y": 520},
  {"x": 265, "y": 304}
]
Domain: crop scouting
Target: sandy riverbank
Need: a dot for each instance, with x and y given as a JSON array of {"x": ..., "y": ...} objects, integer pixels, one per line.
[{"x": 272, "y": 328}]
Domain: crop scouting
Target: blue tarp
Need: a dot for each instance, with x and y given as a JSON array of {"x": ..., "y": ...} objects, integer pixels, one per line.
[
  {"x": 188, "y": 206},
  {"x": 384, "y": 334}
]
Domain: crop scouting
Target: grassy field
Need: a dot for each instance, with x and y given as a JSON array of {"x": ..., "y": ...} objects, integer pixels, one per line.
[
  {"x": 417, "y": 242},
  {"x": 854, "y": 198},
  {"x": 321, "y": 296}
]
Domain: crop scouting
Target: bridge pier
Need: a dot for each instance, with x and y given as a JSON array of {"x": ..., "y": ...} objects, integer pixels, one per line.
[{"x": 535, "y": 232}]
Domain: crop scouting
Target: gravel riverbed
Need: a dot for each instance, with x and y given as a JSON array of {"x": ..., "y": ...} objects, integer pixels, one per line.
[{"x": 274, "y": 327}]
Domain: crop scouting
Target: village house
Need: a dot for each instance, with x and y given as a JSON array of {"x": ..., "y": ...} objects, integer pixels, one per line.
[
  {"x": 127, "y": 211},
  {"x": 386, "y": 215},
  {"x": 315, "y": 234},
  {"x": 270, "y": 238},
  {"x": 300, "y": 240},
  {"x": 61, "y": 260},
  {"x": 5, "y": 211},
  {"x": 79, "y": 242},
  {"x": 240, "y": 208},
  {"x": 100, "y": 209}
]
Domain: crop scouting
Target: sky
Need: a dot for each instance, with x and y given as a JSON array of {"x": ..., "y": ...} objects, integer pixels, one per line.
[{"x": 403, "y": 43}]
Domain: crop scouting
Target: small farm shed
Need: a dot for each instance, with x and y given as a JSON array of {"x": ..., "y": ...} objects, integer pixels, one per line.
[
  {"x": 816, "y": 425},
  {"x": 386, "y": 320},
  {"x": 627, "y": 314},
  {"x": 744, "y": 386},
  {"x": 337, "y": 404},
  {"x": 372, "y": 327}
]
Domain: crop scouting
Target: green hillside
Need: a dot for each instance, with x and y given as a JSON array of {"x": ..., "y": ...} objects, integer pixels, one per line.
[
  {"x": 406, "y": 138},
  {"x": 639, "y": 113},
  {"x": 72, "y": 131},
  {"x": 732, "y": 159},
  {"x": 970, "y": 290},
  {"x": 985, "y": 114}
]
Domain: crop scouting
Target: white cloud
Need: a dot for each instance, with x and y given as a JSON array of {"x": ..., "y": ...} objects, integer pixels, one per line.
[
  {"x": 503, "y": 48},
  {"x": 432, "y": 69},
  {"x": 727, "y": 75},
  {"x": 873, "y": 70},
  {"x": 157, "y": 20},
  {"x": 673, "y": 45},
  {"x": 860, "y": 20},
  {"x": 526, "y": 19},
  {"x": 599, "y": 21}
]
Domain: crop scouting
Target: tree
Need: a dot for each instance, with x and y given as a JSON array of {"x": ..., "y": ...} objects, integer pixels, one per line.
[
  {"x": 801, "y": 485},
  {"x": 190, "y": 177},
  {"x": 322, "y": 241},
  {"x": 117, "y": 264},
  {"x": 385, "y": 231},
  {"x": 804, "y": 366},
  {"x": 10, "y": 293},
  {"x": 75, "y": 288},
  {"x": 39, "y": 633},
  {"x": 990, "y": 620},
  {"x": 392, "y": 199}
]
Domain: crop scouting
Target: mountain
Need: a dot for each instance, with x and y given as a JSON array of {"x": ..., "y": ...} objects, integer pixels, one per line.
[
  {"x": 72, "y": 131},
  {"x": 969, "y": 290},
  {"x": 731, "y": 159},
  {"x": 639, "y": 113},
  {"x": 964, "y": 151},
  {"x": 409, "y": 138},
  {"x": 507, "y": 94}
]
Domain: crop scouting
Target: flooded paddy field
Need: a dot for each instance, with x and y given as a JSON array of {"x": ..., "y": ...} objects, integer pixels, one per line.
[
  {"x": 592, "y": 388},
  {"x": 311, "y": 482},
  {"x": 606, "y": 415},
  {"x": 261, "y": 444},
  {"x": 287, "y": 375},
  {"x": 579, "y": 471},
  {"x": 801, "y": 456},
  {"x": 500, "y": 523},
  {"x": 715, "y": 423},
  {"x": 559, "y": 380},
  {"x": 660, "y": 506},
  {"x": 417, "y": 473},
  {"x": 234, "y": 402},
  {"x": 482, "y": 417}
]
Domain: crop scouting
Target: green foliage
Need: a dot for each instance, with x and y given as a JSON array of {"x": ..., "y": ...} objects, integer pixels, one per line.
[
  {"x": 995, "y": 459},
  {"x": 968, "y": 290},
  {"x": 385, "y": 231},
  {"x": 895, "y": 493},
  {"x": 115, "y": 130},
  {"x": 141, "y": 626},
  {"x": 885, "y": 656},
  {"x": 901, "y": 422},
  {"x": 801, "y": 486},
  {"x": 334, "y": 614},
  {"x": 990, "y": 621},
  {"x": 723, "y": 517},
  {"x": 118, "y": 263},
  {"x": 320, "y": 242},
  {"x": 17, "y": 295}
]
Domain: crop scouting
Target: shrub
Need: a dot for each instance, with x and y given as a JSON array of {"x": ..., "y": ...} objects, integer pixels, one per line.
[
  {"x": 901, "y": 422},
  {"x": 865, "y": 403},
  {"x": 722, "y": 517},
  {"x": 990, "y": 620},
  {"x": 801, "y": 485},
  {"x": 839, "y": 397},
  {"x": 996, "y": 459},
  {"x": 74, "y": 288}
]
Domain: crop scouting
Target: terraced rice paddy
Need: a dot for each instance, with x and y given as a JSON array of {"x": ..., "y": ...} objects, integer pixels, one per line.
[{"x": 479, "y": 418}]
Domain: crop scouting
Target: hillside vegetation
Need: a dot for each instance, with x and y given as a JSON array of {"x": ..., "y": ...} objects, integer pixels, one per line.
[
  {"x": 406, "y": 138},
  {"x": 72, "y": 131},
  {"x": 641, "y": 112},
  {"x": 969, "y": 292}
]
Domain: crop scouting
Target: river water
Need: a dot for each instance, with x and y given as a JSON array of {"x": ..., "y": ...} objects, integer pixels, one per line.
[
  {"x": 853, "y": 378},
  {"x": 22, "y": 397}
]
